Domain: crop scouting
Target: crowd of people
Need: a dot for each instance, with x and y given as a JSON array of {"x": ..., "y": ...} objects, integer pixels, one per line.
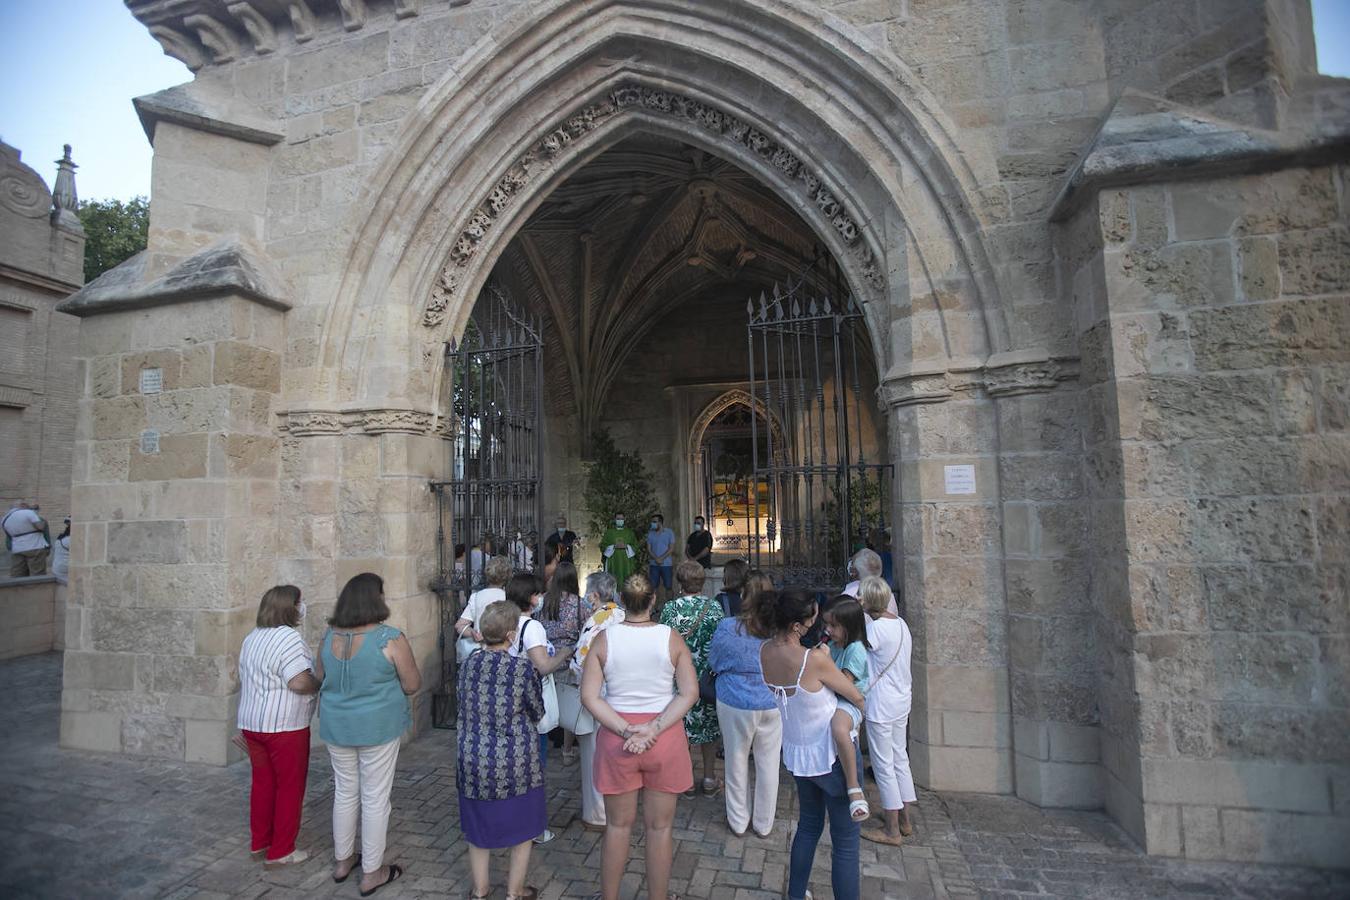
[{"x": 639, "y": 684}]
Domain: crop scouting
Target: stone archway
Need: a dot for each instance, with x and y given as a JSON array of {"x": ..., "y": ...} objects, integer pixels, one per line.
[{"x": 873, "y": 172}]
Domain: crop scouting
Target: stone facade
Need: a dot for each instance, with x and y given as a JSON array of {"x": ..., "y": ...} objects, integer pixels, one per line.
[
  {"x": 1101, "y": 249},
  {"x": 41, "y": 262}
]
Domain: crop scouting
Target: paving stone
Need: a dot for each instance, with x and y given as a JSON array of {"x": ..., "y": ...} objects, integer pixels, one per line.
[{"x": 79, "y": 824}]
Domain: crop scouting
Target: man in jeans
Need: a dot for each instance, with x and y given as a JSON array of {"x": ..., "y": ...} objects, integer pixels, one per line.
[
  {"x": 661, "y": 546},
  {"x": 24, "y": 532}
]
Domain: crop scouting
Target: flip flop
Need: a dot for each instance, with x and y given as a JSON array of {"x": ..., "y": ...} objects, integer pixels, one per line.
[
  {"x": 394, "y": 872},
  {"x": 355, "y": 863}
]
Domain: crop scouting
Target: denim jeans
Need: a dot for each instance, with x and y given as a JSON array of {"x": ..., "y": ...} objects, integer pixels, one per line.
[{"x": 816, "y": 797}]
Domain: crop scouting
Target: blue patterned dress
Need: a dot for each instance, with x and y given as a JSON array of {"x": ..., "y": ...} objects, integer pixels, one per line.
[{"x": 500, "y": 781}]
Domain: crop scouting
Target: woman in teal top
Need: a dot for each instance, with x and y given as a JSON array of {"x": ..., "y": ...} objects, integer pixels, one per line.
[{"x": 368, "y": 671}]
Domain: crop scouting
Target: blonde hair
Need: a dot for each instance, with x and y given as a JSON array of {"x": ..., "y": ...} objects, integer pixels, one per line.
[
  {"x": 637, "y": 594},
  {"x": 691, "y": 576},
  {"x": 875, "y": 595},
  {"x": 498, "y": 621},
  {"x": 497, "y": 571}
]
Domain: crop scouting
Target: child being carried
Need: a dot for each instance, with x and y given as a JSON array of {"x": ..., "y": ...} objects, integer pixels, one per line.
[{"x": 845, "y": 623}]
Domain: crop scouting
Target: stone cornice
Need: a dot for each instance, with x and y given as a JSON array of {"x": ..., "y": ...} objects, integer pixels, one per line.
[
  {"x": 1001, "y": 375},
  {"x": 215, "y": 32},
  {"x": 383, "y": 420},
  {"x": 1146, "y": 139}
]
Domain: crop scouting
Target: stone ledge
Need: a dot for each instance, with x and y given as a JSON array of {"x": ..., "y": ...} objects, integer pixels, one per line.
[
  {"x": 223, "y": 269},
  {"x": 192, "y": 107},
  {"x": 1147, "y": 139},
  {"x": 1000, "y": 375}
]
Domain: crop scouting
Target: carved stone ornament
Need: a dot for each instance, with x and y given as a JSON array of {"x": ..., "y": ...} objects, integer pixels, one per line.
[
  {"x": 379, "y": 421},
  {"x": 24, "y": 195},
  {"x": 541, "y": 155},
  {"x": 260, "y": 30},
  {"x": 307, "y": 423},
  {"x": 991, "y": 379}
]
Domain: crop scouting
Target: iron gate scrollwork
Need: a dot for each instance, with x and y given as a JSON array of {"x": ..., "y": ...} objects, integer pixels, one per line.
[
  {"x": 808, "y": 349},
  {"x": 495, "y": 378}
]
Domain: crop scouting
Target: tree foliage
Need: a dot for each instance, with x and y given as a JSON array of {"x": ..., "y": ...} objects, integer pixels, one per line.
[
  {"x": 113, "y": 232},
  {"x": 617, "y": 482}
]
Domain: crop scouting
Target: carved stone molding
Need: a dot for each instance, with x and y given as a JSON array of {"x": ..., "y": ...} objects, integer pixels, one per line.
[
  {"x": 215, "y": 36},
  {"x": 310, "y": 422},
  {"x": 302, "y": 20},
  {"x": 259, "y": 29},
  {"x": 353, "y": 14},
  {"x": 179, "y": 46},
  {"x": 993, "y": 378},
  {"x": 541, "y": 155}
]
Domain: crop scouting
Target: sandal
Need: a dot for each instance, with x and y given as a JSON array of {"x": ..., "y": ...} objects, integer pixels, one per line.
[
  {"x": 530, "y": 893},
  {"x": 857, "y": 809},
  {"x": 356, "y": 861},
  {"x": 712, "y": 787},
  {"x": 394, "y": 872}
]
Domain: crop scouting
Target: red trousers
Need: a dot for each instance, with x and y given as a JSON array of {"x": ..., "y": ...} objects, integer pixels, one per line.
[{"x": 280, "y": 767}]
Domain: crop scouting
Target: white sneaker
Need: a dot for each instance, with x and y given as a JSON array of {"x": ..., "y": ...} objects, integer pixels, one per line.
[
  {"x": 290, "y": 859},
  {"x": 545, "y": 837}
]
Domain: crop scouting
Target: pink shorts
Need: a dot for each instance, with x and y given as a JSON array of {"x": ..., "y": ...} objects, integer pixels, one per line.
[{"x": 664, "y": 767}]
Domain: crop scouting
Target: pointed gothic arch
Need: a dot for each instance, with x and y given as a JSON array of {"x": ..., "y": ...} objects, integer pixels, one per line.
[{"x": 872, "y": 169}]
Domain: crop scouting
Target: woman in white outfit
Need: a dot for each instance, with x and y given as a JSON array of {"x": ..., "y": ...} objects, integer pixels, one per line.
[{"x": 887, "y": 715}]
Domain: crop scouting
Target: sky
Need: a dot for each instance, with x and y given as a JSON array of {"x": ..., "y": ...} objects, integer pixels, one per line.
[{"x": 69, "y": 68}]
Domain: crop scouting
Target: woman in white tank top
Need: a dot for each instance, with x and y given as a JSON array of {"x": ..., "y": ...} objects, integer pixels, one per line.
[
  {"x": 626, "y": 684},
  {"x": 807, "y": 685}
]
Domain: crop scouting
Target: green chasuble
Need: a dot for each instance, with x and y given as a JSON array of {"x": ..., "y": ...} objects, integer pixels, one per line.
[{"x": 618, "y": 563}]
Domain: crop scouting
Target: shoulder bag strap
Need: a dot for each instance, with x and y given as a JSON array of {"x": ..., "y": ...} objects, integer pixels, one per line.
[
  {"x": 891, "y": 663},
  {"x": 698, "y": 620}
]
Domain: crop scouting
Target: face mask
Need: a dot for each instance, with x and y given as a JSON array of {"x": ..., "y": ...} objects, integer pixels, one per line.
[
  {"x": 301, "y": 610},
  {"x": 618, "y": 523},
  {"x": 538, "y": 605},
  {"x": 698, "y": 526},
  {"x": 655, "y": 527},
  {"x": 562, "y": 529}
]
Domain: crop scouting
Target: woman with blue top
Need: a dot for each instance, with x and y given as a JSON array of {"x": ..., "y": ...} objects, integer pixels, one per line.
[
  {"x": 749, "y": 720},
  {"x": 846, "y": 626},
  {"x": 368, "y": 671}
]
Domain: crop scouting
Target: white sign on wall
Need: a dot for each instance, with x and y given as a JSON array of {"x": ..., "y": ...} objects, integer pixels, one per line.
[
  {"x": 959, "y": 479},
  {"x": 152, "y": 381},
  {"x": 149, "y": 441}
]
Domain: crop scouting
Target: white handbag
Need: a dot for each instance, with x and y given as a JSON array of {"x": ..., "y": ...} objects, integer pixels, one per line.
[
  {"x": 550, "y": 719},
  {"x": 572, "y": 714}
]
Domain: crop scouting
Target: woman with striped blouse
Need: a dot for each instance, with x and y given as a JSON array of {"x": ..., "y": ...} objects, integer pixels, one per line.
[{"x": 276, "y": 701}]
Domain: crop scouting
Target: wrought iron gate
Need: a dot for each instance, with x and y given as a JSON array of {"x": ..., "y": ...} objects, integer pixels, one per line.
[
  {"x": 825, "y": 498},
  {"x": 492, "y": 502}
]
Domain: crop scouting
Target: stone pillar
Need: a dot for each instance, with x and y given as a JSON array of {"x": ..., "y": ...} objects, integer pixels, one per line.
[
  {"x": 1051, "y": 642},
  {"x": 951, "y": 546},
  {"x": 175, "y": 503},
  {"x": 1216, "y": 351}
]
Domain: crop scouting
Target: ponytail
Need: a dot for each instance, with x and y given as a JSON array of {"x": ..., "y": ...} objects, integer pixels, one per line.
[{"x": 776, "y": 613}]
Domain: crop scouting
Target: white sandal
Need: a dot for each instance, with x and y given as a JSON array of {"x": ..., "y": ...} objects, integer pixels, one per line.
[{"x": 857, "y": 809}]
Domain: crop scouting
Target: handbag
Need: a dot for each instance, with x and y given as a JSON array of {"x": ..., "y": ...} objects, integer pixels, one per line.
[
  {"x": 707, "y": 684},
  {"x": 550, "y": 690}
]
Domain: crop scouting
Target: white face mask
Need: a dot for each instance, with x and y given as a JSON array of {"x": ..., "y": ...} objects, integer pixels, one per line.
[
  {"x": 538, "y": 605},
  {"x": 698, "y": 526},
  {"x": 301, "y": 610},
  {"x": 618, "y": 523},
  {"x": 562, "y": 529}
]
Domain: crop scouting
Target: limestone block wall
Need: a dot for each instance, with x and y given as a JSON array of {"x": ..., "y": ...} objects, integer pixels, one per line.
[
  {"x": 1217, "y": 345},
  {"x": 961, "y": 724},
  {"x": 171, "y": 550}
]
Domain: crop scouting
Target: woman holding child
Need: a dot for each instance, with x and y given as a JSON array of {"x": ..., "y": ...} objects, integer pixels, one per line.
[{"x": 807, "y": 686}]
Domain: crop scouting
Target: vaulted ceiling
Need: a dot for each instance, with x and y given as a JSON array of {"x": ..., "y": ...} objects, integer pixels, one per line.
[{"x": 644, "y": 227}]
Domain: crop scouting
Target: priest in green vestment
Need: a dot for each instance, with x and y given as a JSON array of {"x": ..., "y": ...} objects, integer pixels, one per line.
[{"x": 619, "y": 545}]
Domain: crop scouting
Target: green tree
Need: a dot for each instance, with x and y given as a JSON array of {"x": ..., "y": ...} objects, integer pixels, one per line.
[
  {"x": 113, "y": 232},
  {"x": 618, "y": 482}
]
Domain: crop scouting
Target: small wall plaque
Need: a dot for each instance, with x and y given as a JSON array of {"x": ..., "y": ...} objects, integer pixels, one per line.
[
  {"x": 149, "y": 441},
  {"x": 152, "y": 381},
  {"x": 959, "y": 479}
]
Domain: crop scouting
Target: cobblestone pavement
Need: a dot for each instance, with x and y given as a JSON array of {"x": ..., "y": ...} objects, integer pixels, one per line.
[{"x": 83, "y": 825}]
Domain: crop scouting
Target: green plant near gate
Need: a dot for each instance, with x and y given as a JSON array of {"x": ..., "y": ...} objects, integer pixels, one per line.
[{"x": 618, "y": 482}]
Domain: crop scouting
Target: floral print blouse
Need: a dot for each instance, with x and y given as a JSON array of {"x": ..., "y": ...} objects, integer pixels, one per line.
[{"x": 500, "y": 703}]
